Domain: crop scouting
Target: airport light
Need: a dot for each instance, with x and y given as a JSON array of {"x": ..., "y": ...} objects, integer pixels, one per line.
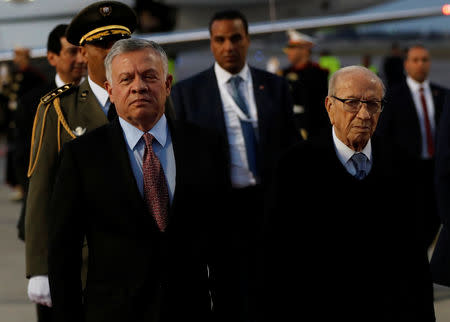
[{"x": 446, "y": 9}]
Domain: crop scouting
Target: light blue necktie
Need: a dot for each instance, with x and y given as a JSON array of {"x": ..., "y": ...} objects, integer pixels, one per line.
[
  {"x": 359, "y": 161},
  {"x": 246, "y": 125}
]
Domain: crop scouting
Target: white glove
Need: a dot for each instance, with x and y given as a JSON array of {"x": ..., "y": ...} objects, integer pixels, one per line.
[{"x": 39, "y": 290}]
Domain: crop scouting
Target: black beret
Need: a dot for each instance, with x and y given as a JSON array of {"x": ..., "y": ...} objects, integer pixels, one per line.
[{"x": 100, "y": 21}]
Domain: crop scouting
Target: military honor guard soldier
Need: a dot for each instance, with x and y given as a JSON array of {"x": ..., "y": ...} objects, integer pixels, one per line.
[
  {"x": 308, "y": 83},
  {"x": 64, "y": 114}
]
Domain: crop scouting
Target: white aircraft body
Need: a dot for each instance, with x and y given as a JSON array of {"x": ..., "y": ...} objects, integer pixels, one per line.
[
  {"x": 26, "y": 23},
  {"x": 188, "y": 38}
]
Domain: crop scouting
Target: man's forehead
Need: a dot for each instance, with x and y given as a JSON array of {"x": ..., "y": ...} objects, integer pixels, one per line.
[
  {"x": 354, "y": 81},
  {"x": 145, "y": 54},
  {"x": 222, "y": 26},
  {"x": 149, "y": 61},
  {"x": 417, "y": 51}
]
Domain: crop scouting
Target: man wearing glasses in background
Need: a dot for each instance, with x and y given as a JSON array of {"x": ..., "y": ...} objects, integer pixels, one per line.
[{"x": 344, "y": 231}]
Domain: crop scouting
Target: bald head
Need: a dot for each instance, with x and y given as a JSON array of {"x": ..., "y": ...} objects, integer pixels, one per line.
[{"x": 353, "y": 71}]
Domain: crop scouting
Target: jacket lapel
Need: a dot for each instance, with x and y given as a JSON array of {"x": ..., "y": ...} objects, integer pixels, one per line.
[
  {"x": 262, "y": 97},
  {"x": 179, "y": 154},
  {"x": 122, "y": 167},
  {"x": 438, "y": 100},
  {"x": 411, "y": 111},
  {"x": 214, "y": 116}
]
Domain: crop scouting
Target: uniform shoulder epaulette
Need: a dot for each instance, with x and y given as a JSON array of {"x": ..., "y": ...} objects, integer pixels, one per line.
[
  {"x": 47, "y": 98},
  {"x": 40, "y": 121}
]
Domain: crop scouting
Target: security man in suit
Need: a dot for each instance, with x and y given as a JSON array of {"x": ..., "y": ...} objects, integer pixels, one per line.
[
  {"x": 64, "y": 114},
  {"x": 412, "y": 114},
  {"x": 252, "y": 109},
  {"x": 308, "y": 82},
  {"x": 70, "y": 67}
]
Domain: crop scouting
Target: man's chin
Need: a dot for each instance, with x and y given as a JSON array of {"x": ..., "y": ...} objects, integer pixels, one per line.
[{"x": 360, "y": 140}]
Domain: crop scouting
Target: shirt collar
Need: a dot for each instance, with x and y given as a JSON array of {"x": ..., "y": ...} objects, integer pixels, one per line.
[
  {"x": 223, "y": 76},
  {"x": 345, "y": 153},
  {"x": 415, "y": 85},
  {"x": 58, "y": 81},
  {"x": 133, "y": 134},
  {"x": 99, "y": 92}
]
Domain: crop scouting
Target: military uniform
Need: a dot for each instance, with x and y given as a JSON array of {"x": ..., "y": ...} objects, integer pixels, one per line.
[
  {"x": 23, "y": 81},
  {"x": 64, "y": 114},
  {"x": 309, "y": 87}
]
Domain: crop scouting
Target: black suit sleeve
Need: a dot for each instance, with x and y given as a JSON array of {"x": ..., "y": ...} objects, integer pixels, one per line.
[
  {"x": 442, "y": 171},
  {"x": 65, "y": 241}
]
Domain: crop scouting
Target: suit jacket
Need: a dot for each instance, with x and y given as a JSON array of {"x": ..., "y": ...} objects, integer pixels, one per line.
[
  {"x": 198, "y": 100},
  {"x": 440, "y": 261},
  {"x": 137, "y": 273},
  {"x": 399, "y": 122},
  {"x": 329, "y": 232}
]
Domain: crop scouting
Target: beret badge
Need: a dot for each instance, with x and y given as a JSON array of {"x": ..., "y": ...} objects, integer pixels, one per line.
[{"x": 105, "y": 11}]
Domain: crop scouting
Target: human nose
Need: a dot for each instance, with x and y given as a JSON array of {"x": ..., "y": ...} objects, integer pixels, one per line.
[
  {"x": 228, "y": 45},
  {"x": 363, "y": 111},
  {"x": 138, "y": 85},
  {"x": 80, "y": 58}
]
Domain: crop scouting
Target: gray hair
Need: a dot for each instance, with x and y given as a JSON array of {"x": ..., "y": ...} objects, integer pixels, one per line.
[
  {"x": 133, "y": 44},
  {"x": 352, "y": 69}
]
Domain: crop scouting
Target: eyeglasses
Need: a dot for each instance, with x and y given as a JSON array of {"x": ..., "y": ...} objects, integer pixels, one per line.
[{"x": 353, "y": 105}]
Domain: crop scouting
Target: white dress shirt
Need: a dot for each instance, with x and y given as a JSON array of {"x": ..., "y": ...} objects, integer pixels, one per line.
[
  {"x": 101, "y": 94},
  {"x": 414, "y": 88},
  {"x": 241, "y": 176},
  {"x": 344, "y": 153}
]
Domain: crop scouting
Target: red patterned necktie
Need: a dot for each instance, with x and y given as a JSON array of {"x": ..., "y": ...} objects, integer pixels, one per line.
[
  {"x": 155, "y": 187},
  {"x": 430, "y": 145}
]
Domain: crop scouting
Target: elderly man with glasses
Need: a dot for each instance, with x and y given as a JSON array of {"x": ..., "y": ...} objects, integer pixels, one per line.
[{"x": 338, "y": 228}]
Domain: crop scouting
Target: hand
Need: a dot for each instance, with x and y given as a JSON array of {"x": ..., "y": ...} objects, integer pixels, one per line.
[{"x": 39, "y": 290}]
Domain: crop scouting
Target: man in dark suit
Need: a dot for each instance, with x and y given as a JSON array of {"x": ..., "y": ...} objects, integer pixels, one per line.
[
  {"x": 412, "y": 113},
  {"x": 141, "y": 189},
  {"x": 252, "y": 109},
  {"x": 337, "y": 221},
  {"x": 70, "y": 68}
]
